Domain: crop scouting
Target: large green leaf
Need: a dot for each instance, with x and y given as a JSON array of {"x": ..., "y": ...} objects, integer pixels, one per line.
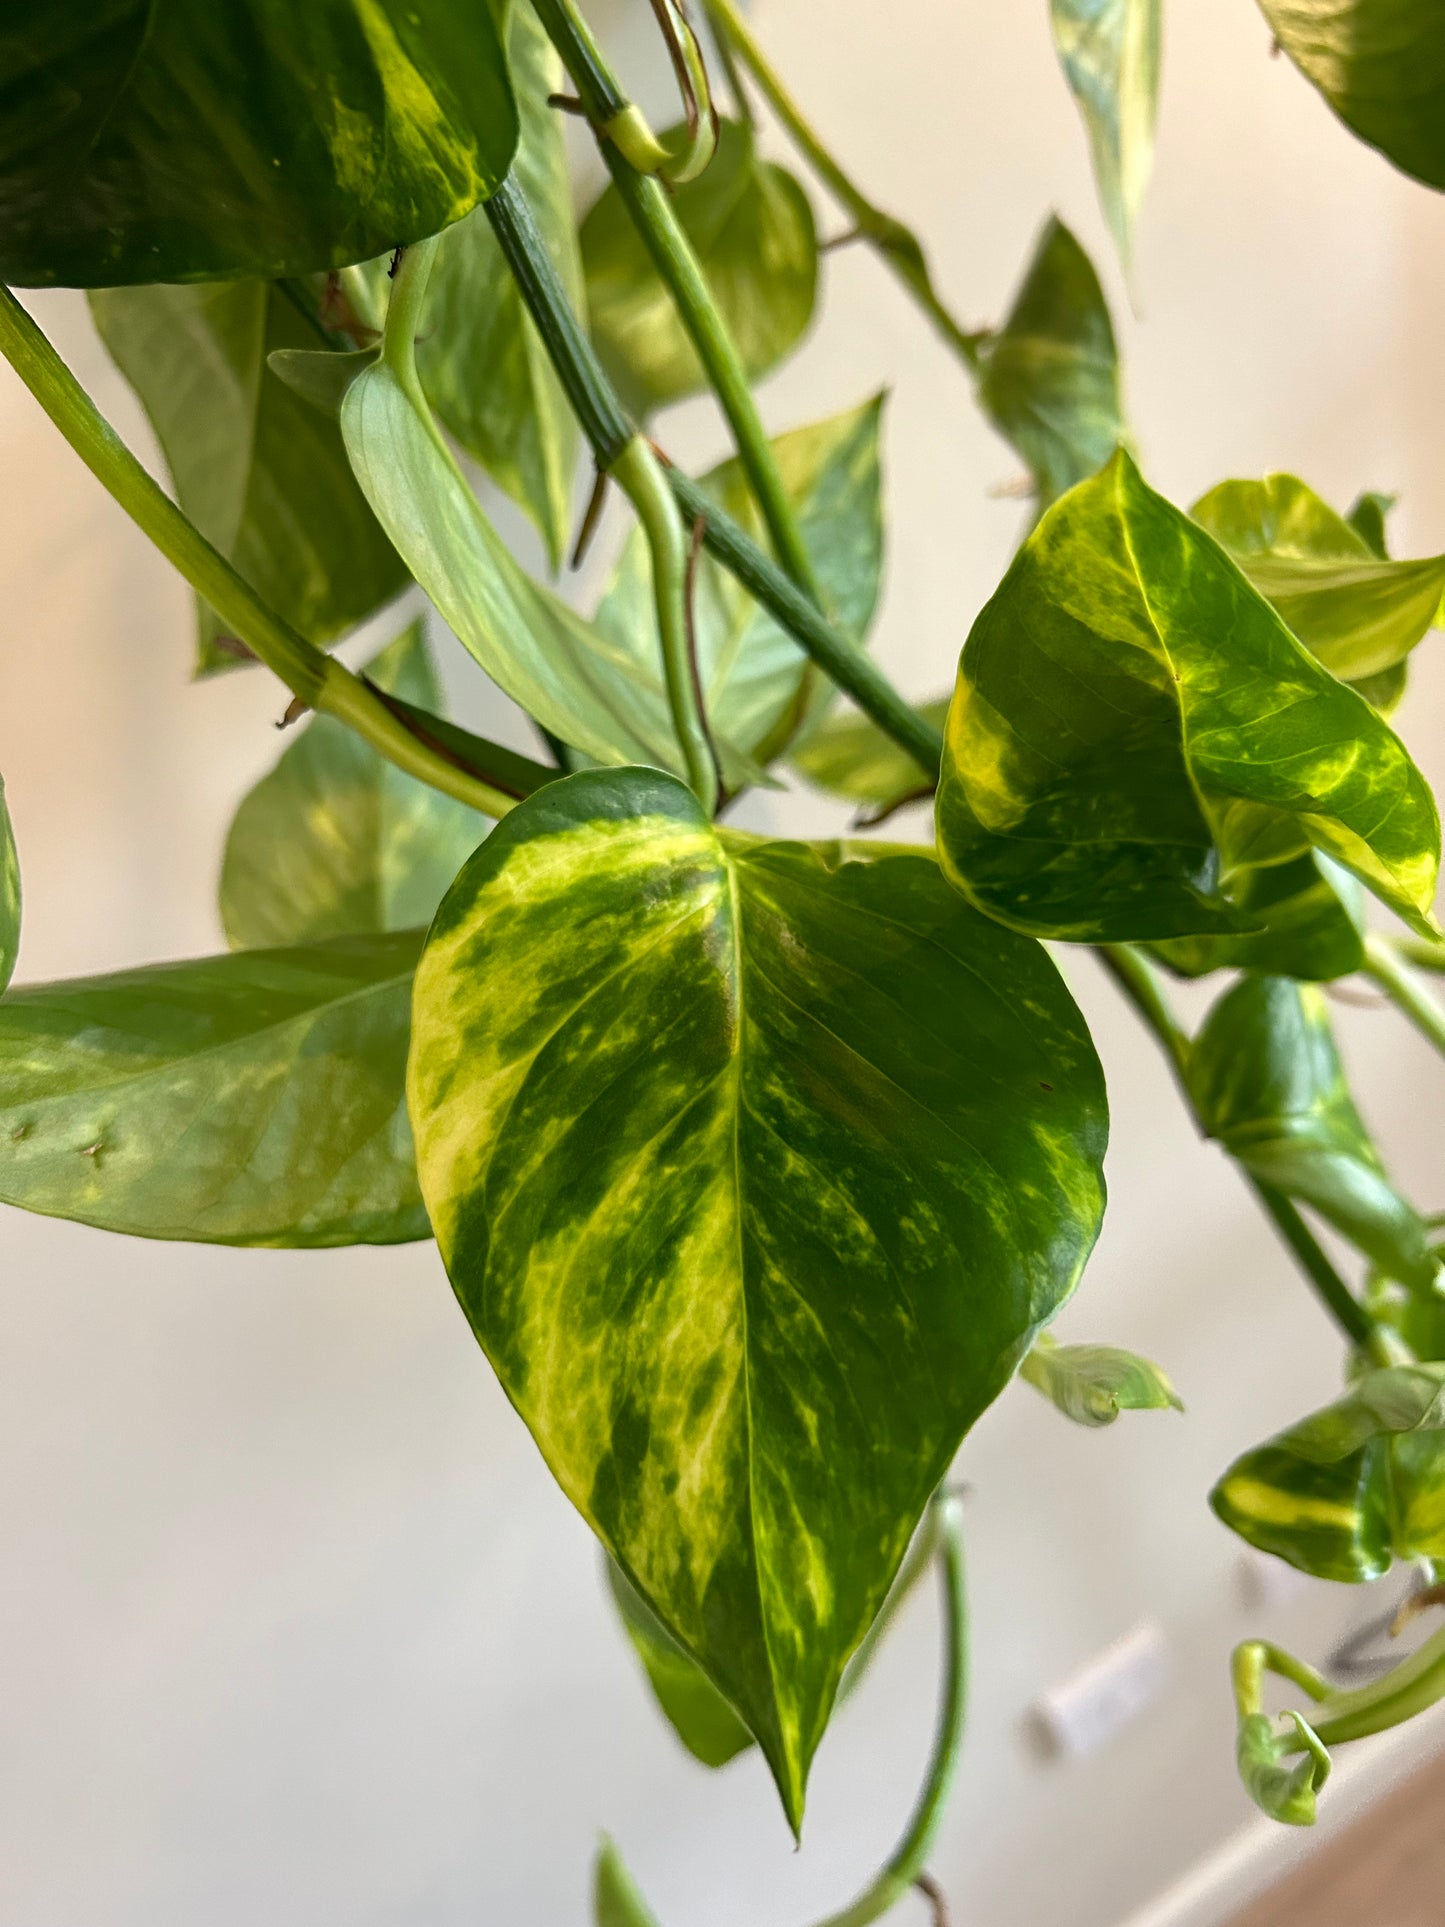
[
  {"x": 585, "y": 689},
  {"x": 479, "y": 354},
  {"x": 1267, "y": 1081},
  {"x": 261, "y": 472},
  {"x": 758, "y": 686},
  {"x": 616, "y": 1899},
  {"x": 1360, "y": 614},
  {"x": 1093, "y": 1384},
  {"x": 338, "y": 842},
  {"x": 850, "y": 756},
  {"x": 1353, "y": 1487},
  {"x": 695, "y": 1709},
  {"x": 1311, "y": 922},
  {"x": 1133, "y": 722},
  {"x": 756, "y": 1167},
  {"x": 1110, "y": 51},
  {"x": 1049, "y": 379},
  {"x": 247, "y": 1100},
  {"x": 9, "y": 894},
  {"x": 241, "y": 137},
  {"x": 752, "y": 229},
  {"x": 1381, "y": 66}
]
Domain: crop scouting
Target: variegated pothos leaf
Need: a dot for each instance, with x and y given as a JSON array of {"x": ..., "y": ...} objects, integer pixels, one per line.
[
  {"x": 797, "y": 1151},
  {"x": 1110, "y": 50}
]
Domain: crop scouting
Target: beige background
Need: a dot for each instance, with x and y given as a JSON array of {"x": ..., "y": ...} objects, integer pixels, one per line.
[{"x": 293, "y": 1627}]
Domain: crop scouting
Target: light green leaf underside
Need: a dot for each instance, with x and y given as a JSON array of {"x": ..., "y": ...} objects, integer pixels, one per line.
[
  {"x": 146, "y": 143},
  {"x": 1353, "y": 1487},
  {"x": 694, "y": 1708},
  {"x": 1093, "y": 1384},
  {"x": 260, "y": 471},
  {"x": 615, "y": 1898},
  {"x": 9, "y": 894},
  {"x": 1358, "y": 613},
  {"x": 1133, "y": 722},
  {"x": 1110, "y": 50},
  {"x": 338, "y": 842},
  {"x": 796, "y": 1150},
  {"x": 584, "y": 689},
  {"x": 1381, "y": 65},
  {"x": 250, "y": 1100},
  {"x": 1049, "y": 379},
  {"x": 850, "y": 756},
  {"x": 752, "y": 229},
  {"x": 1267, "y": 1081},
  {"x": 757, "y": 683},
  {"x": 321, "y": 376},
  {"x": 1311, "y": 924}
]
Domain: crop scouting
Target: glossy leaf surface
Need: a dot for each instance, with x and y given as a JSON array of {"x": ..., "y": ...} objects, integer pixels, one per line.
[
  {"x": 850, "y": 756},
  {"x": 1352, "y": 1487},
  {"x": 1310, "y": 923},
  {"x": 1381, "y": 66},
  {"x": 798, "y": 1152},
  {"x": 752, "y": 229},
  {"x": 1267, "y": 1081},
  {"x": 695, "y": 1709},
  {"x": 758, "y": 686},
  {"x": 1281, "y": 1779},
  {"x": 1132, "y": 720},
  {"x": 616, "y": 1899},
  {"x": 9, "y": 895},
  {"x": 1110, "y": 50},
  {"x": 260, "y": 471},
  {"x": 1358, "y": 613},
  {"x": 1049, "y": 379},
  {"x": 338, "y": 842},
  {"x": 586, "y": 690},
  {"x": 240, "y": 138},
  {"x": 249, "y": 1100},
  {"x": 1093, "y": 1384}
]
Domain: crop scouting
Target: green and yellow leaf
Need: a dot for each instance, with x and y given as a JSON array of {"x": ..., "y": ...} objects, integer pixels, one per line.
[
  {"x": 1093, "y": 1384},
  {"x": 1110, "y": 50}
]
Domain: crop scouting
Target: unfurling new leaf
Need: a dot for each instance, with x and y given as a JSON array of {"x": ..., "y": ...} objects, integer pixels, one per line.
[
  {"x": 1093, "y": 1384},
  {"x": 1282, "y": 1771},
  {"x": 797, "y": 1151}
]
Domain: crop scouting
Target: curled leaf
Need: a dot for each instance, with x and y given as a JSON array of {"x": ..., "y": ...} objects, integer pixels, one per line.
[
  {"x": 1093, "y": 1384},
  {"x": 1283, "y": 1787}
]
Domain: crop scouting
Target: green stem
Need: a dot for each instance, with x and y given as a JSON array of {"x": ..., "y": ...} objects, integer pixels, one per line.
[
  {"x": 908, "y": 1860},
  {"x": 896, "y": 244},
  {"x": 314, "y": 678},
  {"x": 603, "y": 421},
  {"x": 1408, "y": 1689},
  {"x": 1404, "y": 989},
  {"x": 1424, "y": 952},
  {"x": 1140, "y": 984}
]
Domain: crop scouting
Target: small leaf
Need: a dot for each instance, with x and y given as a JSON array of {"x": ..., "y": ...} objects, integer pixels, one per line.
[
  {"x": 1311, "y": 924},
  {"x": 797, "y": 1149},
  {"x": 9, "y": 895},
  {"x": 1110, "y": 50},
  {"x": 1267, "y": 1081},
  {"x": 1368, "y": 517},
  {"x": 850, "y": 756},
  {"x": 697, "y": 1712},
  {"x": 758, "y": 685},
  {"x": 616, "y": 1899},
  {"x": 1359, "y": 614},
  {"x": 568, "y": 677},
  {"x": 338, "y": 842},
  {"x": 1282, "y": 1787},
  {"x": 1351, "y": 1488},
  {"x": 1049, "y": 379},
  {"x": 752, "y": 229},
  {"x": 245, "y": 1100},
  {"x": 210, "y": 143},
  {"x": 1133, "y": 722},
  {"x": 261, "y": 472},
  {"x": 1093, "y": 1384},
  {"x": 320, "y": 376},
  {"x": 1377, "y": 63}
]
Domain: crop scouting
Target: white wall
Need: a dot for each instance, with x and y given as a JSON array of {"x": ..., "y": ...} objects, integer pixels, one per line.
[{"x": 293, "y": 1626}]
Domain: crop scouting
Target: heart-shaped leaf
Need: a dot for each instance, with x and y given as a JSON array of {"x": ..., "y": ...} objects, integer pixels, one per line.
[
  {"x": 752, "y": 229},
  {"x": 850, "y": 756},
  {"x": 251, "y": 137},
  {"x": 338, "y": 842},
  {"x": 1379, "y": 65},
  {"x": 1049, "y": 379},
  {"x": 1267, "y": 1081},
  {"x": 1093, "y": 1384},
  {"x": 1311, "y": 918},
  {"x": 1353, "y": 1487},
  {"x": 1133, "y": 722},
  {"x": 758, "y": 685},
  {"x": 1358, "y": 613},
  {"x": 9, "y": 894},
  {"x": 1110, "y": 50},
  {"x": 798, "y": 1152},
  {"x": 261, "y": 473},
  {"x": 254, "y": 1099}
]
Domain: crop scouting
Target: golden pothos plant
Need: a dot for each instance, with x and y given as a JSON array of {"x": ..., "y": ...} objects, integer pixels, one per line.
[{"x": 759, "y": 1166}]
